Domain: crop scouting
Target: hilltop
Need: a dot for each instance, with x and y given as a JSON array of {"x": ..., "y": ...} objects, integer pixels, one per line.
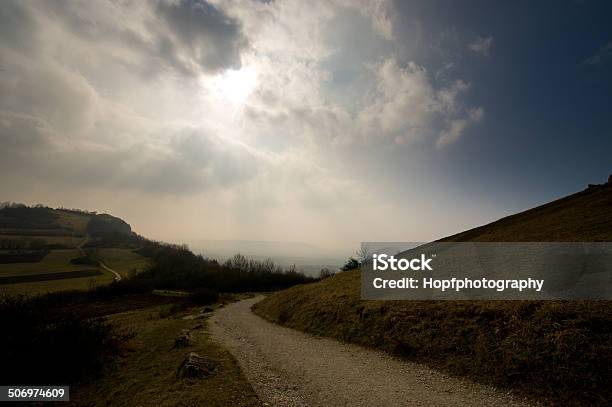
[
  {"x": 44, "y": 249},
  {"x": 57, "y": 227},
  {"x": 554, "y": 351}
]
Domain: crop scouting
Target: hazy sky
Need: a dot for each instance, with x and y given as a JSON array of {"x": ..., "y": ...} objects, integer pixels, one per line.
[{"x": 329, "y": 122}]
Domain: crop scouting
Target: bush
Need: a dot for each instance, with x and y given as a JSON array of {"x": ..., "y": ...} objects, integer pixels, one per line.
[
  {"x": 36, "y": 348},
  {"x": 204, "y": 296},
  {"x": 350, "y": 264},
  {"x": 176, "y": 267}
]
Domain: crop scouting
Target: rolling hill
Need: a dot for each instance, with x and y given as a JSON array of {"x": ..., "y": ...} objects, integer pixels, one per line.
[
  {"x": 557, "y": 352},
  {"x": 44, "y": 249},
  {"x": 57, "y": 226}
]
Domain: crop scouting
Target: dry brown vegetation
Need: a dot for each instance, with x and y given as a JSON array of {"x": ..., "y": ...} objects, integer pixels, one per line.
[{"x": 557, "y": 352}]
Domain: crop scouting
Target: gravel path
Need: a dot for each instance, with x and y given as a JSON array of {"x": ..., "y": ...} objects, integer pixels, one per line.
[{"x": 290, "y": 368}]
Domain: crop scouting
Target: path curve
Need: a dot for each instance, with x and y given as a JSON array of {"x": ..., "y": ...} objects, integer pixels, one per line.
[
  {"x": 104, "y": 266},
  {"x": 290, "y": 368}
]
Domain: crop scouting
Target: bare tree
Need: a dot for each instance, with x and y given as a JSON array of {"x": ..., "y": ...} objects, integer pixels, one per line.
[{"x": 362, "y": 254}]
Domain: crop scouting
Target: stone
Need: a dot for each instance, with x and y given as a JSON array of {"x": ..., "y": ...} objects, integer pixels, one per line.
[
  {"x": 183, "y": 340},
  {"x": 196, "y": 366},
  {"x": 206, "y": 310}
]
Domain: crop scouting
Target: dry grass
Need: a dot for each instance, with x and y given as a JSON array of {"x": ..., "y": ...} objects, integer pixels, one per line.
[
  {"x": 582, "y": 217},
  {"x": 147, "y": 374}
]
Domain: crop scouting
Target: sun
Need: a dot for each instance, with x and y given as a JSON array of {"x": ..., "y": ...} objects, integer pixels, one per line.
[{"x": 235, "y": 85}]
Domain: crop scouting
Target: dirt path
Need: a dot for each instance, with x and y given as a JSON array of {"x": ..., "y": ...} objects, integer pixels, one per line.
[
  {"x": 104, "y": 266},
  {"x": 290, "y": 368}
]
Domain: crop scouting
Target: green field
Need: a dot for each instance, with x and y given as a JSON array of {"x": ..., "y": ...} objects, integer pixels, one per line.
[
  {"x": 57, "y": 261},
  {"x": 123, "y": 261}
]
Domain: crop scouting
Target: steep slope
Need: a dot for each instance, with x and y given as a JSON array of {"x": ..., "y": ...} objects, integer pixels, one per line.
[
  {"x": 585, "y": 216},
  {"x": 555, "y": 351}
]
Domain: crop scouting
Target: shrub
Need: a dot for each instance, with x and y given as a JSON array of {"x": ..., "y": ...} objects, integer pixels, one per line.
[
  {"x": 350, "y": 264},
  {"x": 204, "y": 296},
  {"x": 36, "y": 348},
  {"x": 324, "y": 273}
]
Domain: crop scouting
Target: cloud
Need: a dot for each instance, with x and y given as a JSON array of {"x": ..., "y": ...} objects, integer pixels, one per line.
[
  {"x": 602, "y": 55},
  {"x": 379, "y": 12},
  {"x": 116, "y": 99},
  {"x": 456, "y": 127},
  {"x": 190, "y": 162},
  {"x": 481, "y": 45},
  {"x": 406, "y": 107},
  {"x": 200, "y": 36},
  {"x": 62, "y": 99},
  {"x": 186, "y": 37}
]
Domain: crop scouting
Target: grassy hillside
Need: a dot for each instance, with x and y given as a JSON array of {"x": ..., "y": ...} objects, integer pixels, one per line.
[
  {"x": 558, "y": 352},
  {"x": 582, "y": 217},
  {"x": 124, "y": 261},
  {"x": 22, "y": 226},
  {"x": 38, "y": 246}
]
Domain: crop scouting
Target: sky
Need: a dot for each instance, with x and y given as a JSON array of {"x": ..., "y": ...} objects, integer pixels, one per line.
[{"x": 326, "y": 122}]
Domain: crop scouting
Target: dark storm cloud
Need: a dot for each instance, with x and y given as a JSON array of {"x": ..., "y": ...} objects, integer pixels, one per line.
[
  {"x": 201, "y": 34},
  {"x": 186, "y": 36},
  {"x": 15, "y": 25}
]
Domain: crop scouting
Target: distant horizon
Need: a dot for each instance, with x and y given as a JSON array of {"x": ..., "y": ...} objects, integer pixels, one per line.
[{"x": 337, "y": 252}]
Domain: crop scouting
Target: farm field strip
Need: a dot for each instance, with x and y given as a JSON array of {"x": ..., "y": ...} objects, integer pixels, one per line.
[
  {"x": 55, "y": 261},
  {"x": 32, "y": 278}
]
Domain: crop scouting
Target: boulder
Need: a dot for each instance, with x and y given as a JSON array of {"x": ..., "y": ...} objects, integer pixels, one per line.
[
  {"x": 206, "y": 310},
  {"x": 195, "y": 366},
  {"x": 183, "y": 340}
]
